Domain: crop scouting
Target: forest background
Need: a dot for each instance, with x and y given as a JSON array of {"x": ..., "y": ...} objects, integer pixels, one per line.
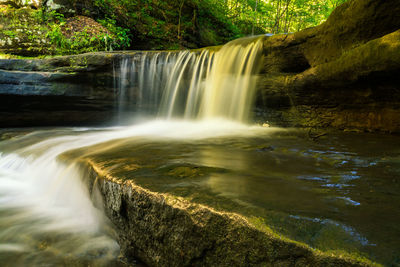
[
  {"x": 195, "y": 23},
  {"x": 72, "y": 26}
]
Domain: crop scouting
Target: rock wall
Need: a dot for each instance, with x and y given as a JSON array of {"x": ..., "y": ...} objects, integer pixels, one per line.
[
  {"x": 70, "y": 90},
  {"x": 342, "y": 74}
]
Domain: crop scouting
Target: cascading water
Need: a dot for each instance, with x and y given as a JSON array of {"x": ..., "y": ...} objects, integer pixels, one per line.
[
  {"x": 203, "y": 84},
  {"x": 47, "y": 213},
  {"x": 320, "y": 193}
]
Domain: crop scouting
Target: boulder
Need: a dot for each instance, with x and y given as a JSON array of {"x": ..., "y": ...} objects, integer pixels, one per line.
[
  {"x": 66, "y": 7},
  {"x": 50, "y": 5}
]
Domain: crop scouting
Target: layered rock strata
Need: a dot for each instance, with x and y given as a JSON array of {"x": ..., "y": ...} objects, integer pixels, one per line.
[
  {"x": 69, "y": 90},
  {"x": 342, "y": 74}
]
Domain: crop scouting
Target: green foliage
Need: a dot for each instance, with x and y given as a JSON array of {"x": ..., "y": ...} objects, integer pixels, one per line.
[
  {"x": 278, "y": 16},
  {"x": 23, "y": 32},
  {"x": 81, "y": 42},
  {"x": 213, "y": 15},
  {"x": 56, "y": 35},
  {"x": 119, "y": 37},
  {"x": 10, "y": 33},
  {"x": 167, "y": 24},
  {"x": 85, "y": 40}
]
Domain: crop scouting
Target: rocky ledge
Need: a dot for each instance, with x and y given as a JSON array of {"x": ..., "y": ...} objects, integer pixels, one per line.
[
  {"x": 161, "y": 229},
  {"x": 68, "y": 90}
]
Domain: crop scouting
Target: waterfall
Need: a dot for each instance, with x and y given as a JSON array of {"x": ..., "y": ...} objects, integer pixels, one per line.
[
  {"x": 47, "y": 213},
  {"x": 199, "y": 84}
]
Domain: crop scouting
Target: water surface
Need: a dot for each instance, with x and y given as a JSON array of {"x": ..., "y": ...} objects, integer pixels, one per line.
[{"x": 337, "y": 192}]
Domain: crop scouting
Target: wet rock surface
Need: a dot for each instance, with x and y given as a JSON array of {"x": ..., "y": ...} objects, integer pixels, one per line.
[
  {"x": 242, "y": 201},
  {"x": 162, "y": 229}
]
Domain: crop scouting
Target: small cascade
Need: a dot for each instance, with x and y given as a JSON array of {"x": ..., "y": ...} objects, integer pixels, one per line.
[
  {"x": 48, "y": 217},
  {"x": 140, "y": 80},
  {"x": 200, "y": 84}
]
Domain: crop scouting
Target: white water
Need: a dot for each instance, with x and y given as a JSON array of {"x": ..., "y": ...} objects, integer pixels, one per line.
[{"x": 47, "y": 212}]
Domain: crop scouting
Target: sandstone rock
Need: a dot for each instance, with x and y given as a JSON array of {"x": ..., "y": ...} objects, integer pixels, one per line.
[
  {"x": 58, "y": 5},
  {"x": 163, "y": 230},
  {"x": 69, "y": 90},
  {"x": 66, "y": 7},
  {"x": 342, "y": 74}
]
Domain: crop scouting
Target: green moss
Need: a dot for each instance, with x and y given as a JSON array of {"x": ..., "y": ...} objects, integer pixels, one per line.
[
  {"x": 352, "y": 257},
  {"x": 11, "y": 56}
]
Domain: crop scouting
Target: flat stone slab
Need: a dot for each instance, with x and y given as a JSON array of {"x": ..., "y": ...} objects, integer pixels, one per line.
[
  {"x": 162, "y": 229},
  {"x": 243, "y": 201}
]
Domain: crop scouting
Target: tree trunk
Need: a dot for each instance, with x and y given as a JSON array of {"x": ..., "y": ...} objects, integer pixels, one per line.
[{"x": 179, "y": 21}]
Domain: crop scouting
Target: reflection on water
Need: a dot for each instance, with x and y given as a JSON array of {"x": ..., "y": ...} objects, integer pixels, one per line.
[
  {"x": 340, "y": 192},
  {"x": 47, "y": 215}
]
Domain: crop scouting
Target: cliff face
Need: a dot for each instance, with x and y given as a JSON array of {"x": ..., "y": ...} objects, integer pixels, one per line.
[
  {"x": 342, "y": 74},
  {"x": 71, "y": 90}
]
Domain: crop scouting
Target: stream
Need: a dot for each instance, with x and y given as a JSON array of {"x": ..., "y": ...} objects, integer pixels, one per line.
[{"x": 334, "y": 192}]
